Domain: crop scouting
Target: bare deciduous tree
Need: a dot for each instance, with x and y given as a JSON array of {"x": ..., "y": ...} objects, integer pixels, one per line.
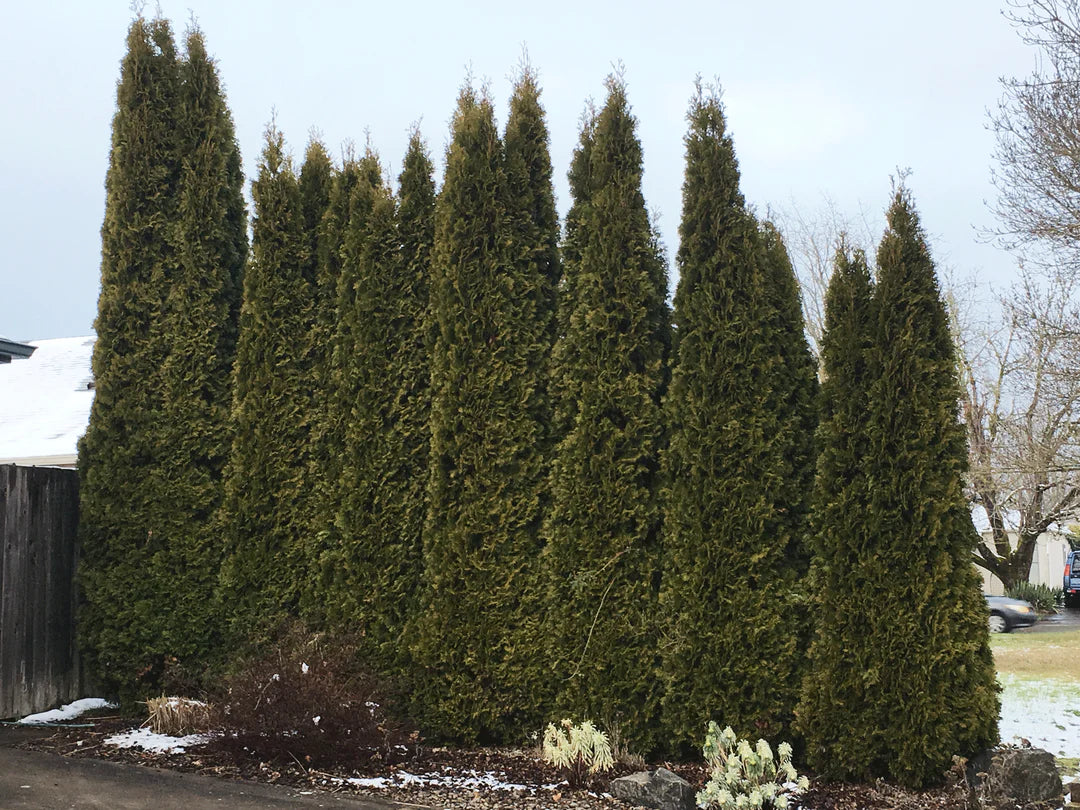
[
  {"x": 1037, "y": 124},
  {"x": 811, "y": 239},
  {"x": 1021, "y": 405}
]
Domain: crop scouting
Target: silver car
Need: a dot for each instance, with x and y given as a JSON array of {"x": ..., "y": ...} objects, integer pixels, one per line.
[{"x": 1007, "y": 613}]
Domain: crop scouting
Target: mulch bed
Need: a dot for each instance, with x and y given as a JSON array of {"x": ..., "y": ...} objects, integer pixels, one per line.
[{"x": 508, "y": 766}]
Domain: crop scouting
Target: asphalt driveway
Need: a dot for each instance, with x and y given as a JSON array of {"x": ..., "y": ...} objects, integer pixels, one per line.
[{"x": 32, "y": 780}]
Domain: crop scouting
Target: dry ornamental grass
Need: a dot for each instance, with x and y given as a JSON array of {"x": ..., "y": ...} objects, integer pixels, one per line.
[{"x": 177, "y": 716}]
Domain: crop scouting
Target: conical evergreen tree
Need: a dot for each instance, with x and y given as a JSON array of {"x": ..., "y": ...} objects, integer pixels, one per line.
[
  {"x": 200, "y": 323},
  {"x": 795, "y": 390},
  {"x": 316, "y": 182},
  {"x": 532, "y": 229},
  {"x": 602, "y": 557},
  {"x": 481, "y": 539},
  {"x": 316, "y": 185},
  {"x": 564, "y": 400},
  {"x": 846, "y": 573},
  {"x": 728, "y": 649},
  {"x": 921, "y": 669},
  {"x": 377, "y": 573},
  {"x": 327, "y": 430},
  {"x": 345, "y": 226},
  {"x": 120, "y": 453},
  {"x": 366, "y": 534},
  {"x": 531, "y": 237},
  {"x": 265, "y": 477}
]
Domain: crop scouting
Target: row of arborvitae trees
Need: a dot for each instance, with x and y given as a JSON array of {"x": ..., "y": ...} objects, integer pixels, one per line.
[{"x": 529, "y": 487}]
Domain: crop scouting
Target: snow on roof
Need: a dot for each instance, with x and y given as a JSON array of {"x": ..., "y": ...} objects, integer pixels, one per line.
[{"x": 45, "y": 400}]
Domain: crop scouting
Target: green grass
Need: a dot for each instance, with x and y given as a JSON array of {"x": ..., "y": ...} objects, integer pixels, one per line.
[{"x": 1053, "y": 655}]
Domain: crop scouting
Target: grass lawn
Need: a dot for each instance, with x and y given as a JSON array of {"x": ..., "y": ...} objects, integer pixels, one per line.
[
  {"x": 1038, "y": 655},
  {"x": 1040, "y": 698}
]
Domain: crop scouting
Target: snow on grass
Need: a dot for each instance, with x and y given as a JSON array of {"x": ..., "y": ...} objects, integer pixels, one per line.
[
  {"x": 466, "y": 780},
  {"x": 148, "y": 740},
  {"x": 68, "y": 712},
  {"x": 1044, "y": 712}
]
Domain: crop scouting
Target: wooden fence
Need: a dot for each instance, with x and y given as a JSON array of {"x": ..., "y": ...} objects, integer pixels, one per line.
[{"x": 39, "y": 514}]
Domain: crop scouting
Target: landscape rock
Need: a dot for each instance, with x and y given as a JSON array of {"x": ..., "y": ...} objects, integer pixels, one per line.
[
  {"x": 1074, "y": 794},
  {"x": 1018, "y": 777},
  {"x": 660, "y": 790}
]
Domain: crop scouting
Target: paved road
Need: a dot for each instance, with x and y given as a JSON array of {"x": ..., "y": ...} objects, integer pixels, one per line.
[
  {"x": 32, "y": 780},
  {"x": 1067, "y": 619}
]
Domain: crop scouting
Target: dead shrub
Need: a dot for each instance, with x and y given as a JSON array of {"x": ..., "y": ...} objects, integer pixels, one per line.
[{"x": 308, "y": 699}]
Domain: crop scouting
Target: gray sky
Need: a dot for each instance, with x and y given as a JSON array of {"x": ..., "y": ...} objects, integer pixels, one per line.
[{"x": 823, "y": 98}]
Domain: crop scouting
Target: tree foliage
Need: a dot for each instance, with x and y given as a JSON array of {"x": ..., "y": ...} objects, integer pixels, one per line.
[
  {"x": 741, "y": 386},
  {"x": 921, "y": 687},
  {"x": 1020, "y": 404},
  {"x": 173, "y": 249},
  {"x": 1038, "y": 137},
  {"x": 376, "y": 566},
  {"x": 200, "y": 324},
  {"x": 845, "y": 571},
  {"x": 604, "y": 523},
  {"x": 481, "y": 540},
  {"x": 264, "y": 570},
  {"x": 117, "y": 453}
]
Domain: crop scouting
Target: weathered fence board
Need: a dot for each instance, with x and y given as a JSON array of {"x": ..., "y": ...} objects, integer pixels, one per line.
[{"x": 39, "y": 513}]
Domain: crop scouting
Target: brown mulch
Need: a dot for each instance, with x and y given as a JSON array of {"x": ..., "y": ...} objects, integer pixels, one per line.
[{"x": 508, "y": 766}]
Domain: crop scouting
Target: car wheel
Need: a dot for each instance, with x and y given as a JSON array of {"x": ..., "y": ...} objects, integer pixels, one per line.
[{"x": 998, "y": 623}]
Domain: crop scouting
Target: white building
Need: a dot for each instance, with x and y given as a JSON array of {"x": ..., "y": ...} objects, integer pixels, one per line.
[{"x": 45, "y": 403}]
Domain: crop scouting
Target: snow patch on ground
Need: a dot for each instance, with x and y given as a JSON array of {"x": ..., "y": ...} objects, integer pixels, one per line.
[
  {"x": 68, "y": 712},
  {"x": 159, "y": 743},
  {"x": 466, "y": 780},
  {"x": 1046, "y": 713}
]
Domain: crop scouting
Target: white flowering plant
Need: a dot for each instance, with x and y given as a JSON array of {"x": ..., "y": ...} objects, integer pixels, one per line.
[
  {"x": 742, "y": 777},
  {"x": 579, "y": 751}
]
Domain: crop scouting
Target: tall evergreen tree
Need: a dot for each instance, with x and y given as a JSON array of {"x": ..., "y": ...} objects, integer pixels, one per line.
[
  {"x": 602, "y": 557},
  {"x": 481, "y": 539},
  {"x": 564, "y": 402},
  {"x": 377, "y": 568},
  {"x": 346, "y": 231},
  {"x": 531, "y": 237},
  {"x": 316, "y": 182},
  {"x": 316, "y": 185},
  {"x": 532, "y": 229},
  {"x": 795, "y": 390},
  {"x": 327, "y": 430},
  {"x": 846, "y": 573},
  {"x": 265, "y": 477},
  {"x": 120, "y": 453},
  {"x": 199, "y": 322},
  {"x": 728, "y": 649},
  {"x": 364, "y": 532},
  {"x": 922, "y": 678}
]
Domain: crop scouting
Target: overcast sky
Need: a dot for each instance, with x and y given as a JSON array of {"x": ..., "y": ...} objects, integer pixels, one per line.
[{"x": 823, "y": 98}]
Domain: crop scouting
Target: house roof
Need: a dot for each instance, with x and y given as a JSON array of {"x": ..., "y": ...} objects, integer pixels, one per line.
[
  {"x": 45, "y": 402},
  {"x": 12, "y": 349}
]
